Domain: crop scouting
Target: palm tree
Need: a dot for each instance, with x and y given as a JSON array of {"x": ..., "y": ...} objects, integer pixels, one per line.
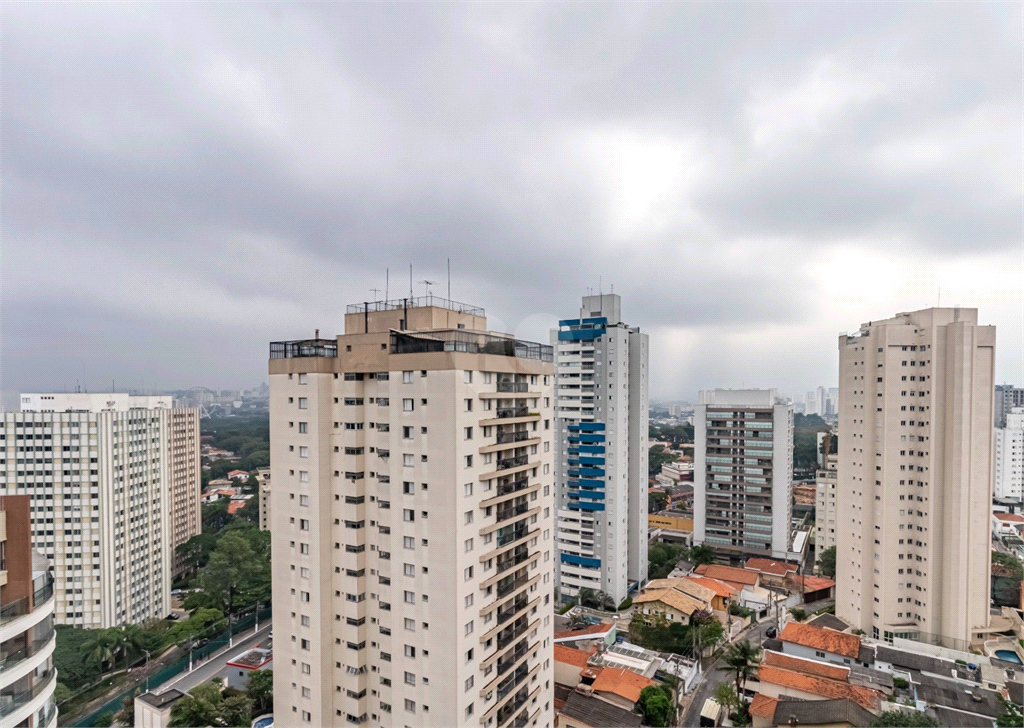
[
  {"x": 126, "y": 716},
  {"x": 101, "y": 649},
  {"x": 741, "y": 659}
]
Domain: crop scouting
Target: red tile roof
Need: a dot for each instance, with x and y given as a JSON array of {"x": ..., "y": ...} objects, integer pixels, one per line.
[
  {"x": 820, "y": 686},
  {"x": 235, "y": 506},
  {"x": 1009, "y": 517},
  {"x": 576, "y": 658},
  {"x": 728, "y": 573},
  {"x": 827, "y": 640},
  {"x": 814, "y": 583},
  {"x": 768, "y": 566},
  {"x": 810, "y": 667},
  {"x": 720, "y": 588},
  {"x": 762, "y": 706},
  {"x": 622, "y": 683},
  {"x": 594, "y": 629}
]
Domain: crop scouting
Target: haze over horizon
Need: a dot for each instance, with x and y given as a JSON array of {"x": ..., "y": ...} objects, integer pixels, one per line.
[{"x": 184, "y": 183}]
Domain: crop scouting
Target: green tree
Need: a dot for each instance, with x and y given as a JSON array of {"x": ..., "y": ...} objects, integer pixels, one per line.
[
  {"x": 903, "y": 719},
  {"x": 725, "y": 695},
  {"x": 61, "y": 692},
  {"x": 798, "y": 614},
  {"x": 741, "y": 660},
  {"x": 662, "y": 558},
  {"x": 596, "y": 599},
  {"x": 126, "y": 715},
  {"x": 703, "y": 554},
  {"x": 101, "y": 649},
  {"x": 103, "y": 719},
  {"x": 656, "y": 502},
  {"x": 656, "y": 457},
  {"x": 260, "y": 689},
  {"x": 1011, "y": 717},
  {"x": 234, "y": 576},
  {"x": 655, "y": 706},
  {"x": 236, "y": 711},
  {"x": 250, "y": 512},
  {"x": 199, "y": 707},
  {"x": 827, "y": 562}
]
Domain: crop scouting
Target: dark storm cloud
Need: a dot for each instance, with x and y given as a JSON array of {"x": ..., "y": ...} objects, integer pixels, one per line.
[{"x": 217, "y": 175}]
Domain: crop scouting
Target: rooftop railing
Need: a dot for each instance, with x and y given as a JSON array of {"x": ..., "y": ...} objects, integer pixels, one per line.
[
  {"x": 472, "y": 342},
  {"x": 327, "y": 348},
  {"x": 415, "y": 302}
]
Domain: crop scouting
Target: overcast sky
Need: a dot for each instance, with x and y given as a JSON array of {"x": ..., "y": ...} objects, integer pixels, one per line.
[{"x": 185, "y": 182}]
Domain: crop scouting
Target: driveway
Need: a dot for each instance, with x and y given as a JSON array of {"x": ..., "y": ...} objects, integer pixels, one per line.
[{"x": 713, "y": 676}]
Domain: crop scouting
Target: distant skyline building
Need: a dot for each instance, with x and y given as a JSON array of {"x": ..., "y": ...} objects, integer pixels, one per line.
[
  {"x": 27, "y": 675},
  {"x": 601, "y": 450},
  {"x": 1009, "y": 456},
  {"x": 743, "y": 472},
  {"x": 412, "y": 522},
  {"x": 113, "y": 481},
  {"x": 914, "y": 489},
  {"x": 1007, "y": 397}
]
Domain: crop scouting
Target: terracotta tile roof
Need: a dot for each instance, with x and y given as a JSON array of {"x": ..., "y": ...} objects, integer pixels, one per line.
[
  {"x": 1009, "y": 517},
  {"x": 623, "y": 683},
  {"x": 814, "y": 583},
  {"x": 576, "y": 658},
  {"x": 827, "y": 640},
  {"x": 720, "y": 588},
  {"x": 685, "y": 585},
  {"x": 673, "y": 598},
  {"x": 799, "y": 664},
  {"x": 594, "y": 629},
  {"x": 820, "y": 686},
  {"x": 234, "y": 506},
  {"x": 762, "y": 706},
  {"x": 769, "y": 566},
  {"x": 728, "y": 573}
]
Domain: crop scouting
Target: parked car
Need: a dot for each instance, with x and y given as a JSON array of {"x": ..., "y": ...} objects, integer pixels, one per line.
[{"x": 771, "y": 633}]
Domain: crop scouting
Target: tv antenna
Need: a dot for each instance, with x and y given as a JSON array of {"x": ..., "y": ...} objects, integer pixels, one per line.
[
  {"x": 375, "y": 291},
  {"x": 426, "y": 286}
]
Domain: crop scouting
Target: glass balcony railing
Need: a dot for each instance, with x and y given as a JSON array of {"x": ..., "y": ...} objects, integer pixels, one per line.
[
  {"x": 505, "y": 412},
  {"x": 509, "y": 635},
  {"x": 510, "y": 708},
  {"x": 512, "y": 487},
  {"x": 504, "y": 539},
  {"x": 506, "y": 513},
  {"x": 513, "y": 681},
  {"x": 512, "y": 657},
  {"x": 9, "y": 659},
  {"x": 512, "y": 610},
  {"x": 12, "y": 701},
  {"x": 512, "y": 387},
  {"x": 506, "y": 588},
  {"x": 514, "y": 462},
  {"x": 507, "y": 437},
  {"x": 519, "y": 557}
]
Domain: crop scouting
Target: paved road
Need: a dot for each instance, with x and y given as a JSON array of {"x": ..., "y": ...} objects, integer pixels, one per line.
[
  {"x": 214, "y": 665},
  {"x": 713, "y": 677}
]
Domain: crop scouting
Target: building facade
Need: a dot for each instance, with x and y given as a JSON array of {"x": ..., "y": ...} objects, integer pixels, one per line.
[
  {"x": 411, "y": 517},
  {"x": 186, "y": 482},
  {"x": 263, "y": 480},
  {"x": 99, "y": 470},
  {"x": 914, "y": 485},
  {"x": 825, "y": 505},
  {"x": 1007, "y": 397},
  {"x": 1009, "y": 456},
  {"x": 743, "y": 472},
  {"x": 601, "y": 451},
  {"x": 27, "y": 637}
]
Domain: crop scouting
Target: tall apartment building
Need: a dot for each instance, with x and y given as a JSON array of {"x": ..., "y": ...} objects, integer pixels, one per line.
[
  {"x": 27, "y": 636},
  {"x": 109, "y": 476},
  {"x": 1007, "y": 397},
  {"x": 601, "y": 450},
  {"x": 825, "y": 505},
  {"x": 1009, "y": 456},
  {"x": 263, "y": 480},
  {"x": 914, "y": 478},
  {"x": 743, "y": 472},
  {"x": 411, "y": 522}
]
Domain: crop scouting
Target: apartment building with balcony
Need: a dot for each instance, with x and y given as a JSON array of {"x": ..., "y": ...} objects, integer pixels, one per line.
[
  {"x": 1009, "y": 456},
  {"x": 114, "y": 485},
  {"x": 914, "y": 482},
  {"x": 743, "y": 472},
  {"x": 825, "y": 504},
  {"x": 27, "y": 636},
  {"x": 601, "y": 450},
  {"x": 411, "y": 517}
]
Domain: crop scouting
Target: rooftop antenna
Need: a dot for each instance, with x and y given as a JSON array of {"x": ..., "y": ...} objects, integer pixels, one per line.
[
  {"x": 426, "y": 286},
  {"x": 387, "y": 279},
  {"x": 449, "y": 279},
  {"x": 600, "y": 286},
  {"x": 375, "y": 291},
  {"x": 939, "y": 304},
  {"x": 410, "y": 280}
]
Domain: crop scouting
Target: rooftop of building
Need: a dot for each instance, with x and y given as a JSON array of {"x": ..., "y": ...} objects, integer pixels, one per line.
[
  {"x": 1009, "y": 517},
  {"x": 728, "y": 574},
  {"x": 829, "y": 621},
  {"x": 672, "y": 597},
  {"x": 819, "y": 638},
  {"x": 161, "y": 700},
  {"x": 252, "y": 659},
  {"x": 770, "y": 566},
  {"x": 593, "y": 631},
  {"x": 720, "y": 588},
  {"x": 624, "y": 683},
  {"x": 400, "y": 304},
  {"x": 840, "y": 711},
  {"x": 811, "y": 667},
  {"x": 571, "y": 656},
  {"x": 598, "y": 713},
  {"x": 820, "y": 686}
]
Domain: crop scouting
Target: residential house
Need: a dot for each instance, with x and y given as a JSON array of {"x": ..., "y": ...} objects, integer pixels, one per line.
[
  {"x": 582, "y": 709},
  {"x": 808, "y": 641},
  {"x": 239, "y": 475},
  {"x": 838, "y": 713}
]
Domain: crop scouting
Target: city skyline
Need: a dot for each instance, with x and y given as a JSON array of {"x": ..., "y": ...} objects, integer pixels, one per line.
[{"x": 272, "y": 168}]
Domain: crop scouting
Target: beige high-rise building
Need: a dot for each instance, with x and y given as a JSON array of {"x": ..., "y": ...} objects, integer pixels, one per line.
[
  {"x": 411, "y": 516},
  {"x": 914, "y": 478},
  {"x": 825, "y": 505},
  {"x": 186, "y": 482}
]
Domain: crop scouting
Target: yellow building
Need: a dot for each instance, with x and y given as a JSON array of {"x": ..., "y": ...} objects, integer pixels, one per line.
[{"x": 671, "y": 523}]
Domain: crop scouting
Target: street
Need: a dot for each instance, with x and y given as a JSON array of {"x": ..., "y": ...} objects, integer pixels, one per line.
[
  {"x": 713, "y": 677},
  {"x": 214, "y": 665}
]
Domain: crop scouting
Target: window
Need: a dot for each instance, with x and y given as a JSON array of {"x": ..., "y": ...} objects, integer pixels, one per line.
[
  {"x": 303, "y": 452},
  {"x": 408, "y": 487},
  {"x": 305, "y": 644},
  {"x": 303, "y": 428},
  {"x": 305, "y": 621},
  {"x": 410, "y": 570},
  {"x": 304, "y": 524},
  {"x": 468, "y": 685},
  {"x": 467, "y": 602},
  {"x": 304, "y": 549},
  {"x": 469, "y": 433},
  {"x": 303, "y": 476},
  {"x": 406, "y": 377},
  {"x": 304, "y": 500},
  {"x": 410, "y": 706},
  {"x": 302, "y": 379},
  {"x": 410, "y": 624},
  {"x": 408, "y": 515},
  {"x": 407, "y": 433},
  {"x": 469, "y": 461},
  {"x": 467, "y": 573},
  {"x": 469, "y": 655},
  {"x": 408, "y": 460},
  {"x": 467, "y": 489},
  {"x": 468, "y": 517},
  {"x": 410, "y": 651},
  {"x": 468, "y": 630},
  {"x": 410, "y": 597},
  {"x": 469, "y": 405},
  {"x": 303, "y": 403},
  {"x": 409, "y": 542},
  {"x": 467, "y": 545},
  {"x": 410, "y": 678},
  {"x": 407, "y": 405}
]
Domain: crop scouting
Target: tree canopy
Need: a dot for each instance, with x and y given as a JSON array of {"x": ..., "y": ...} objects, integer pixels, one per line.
[
  {"x": 827, "y": 562},
  {"x": 903, "y": 719},
  {"x": 655, "y": 706}
]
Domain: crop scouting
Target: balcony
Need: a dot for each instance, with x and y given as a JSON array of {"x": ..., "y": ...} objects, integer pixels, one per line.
[
  {"x": 520, "y": 557},
  {"x": 517, "y": 606},
  {"x": 504, "y": 514},
  {"x": 513, "y": 462},
  {"x": 12, "y": 701},
  {"x": 513, "y": 487},
  {"x": 512, "y": 387},
  {"x": 506, "y": 588},
  {"x": 21, "y": 607},
  {"x": 468, "y": 341},
  {"x": 327, "y": 348},
  {"x": 511, "y": 633},
  {"x": 512, "y": 536},
  {"x": 513, "y": 681},
  {"x": 10, "y": 659},
  {"x": 521, "y": 721},
  {"x": 512, "y": 657},
  {"x": 505, "y": 412},
  {"x": 510, "y": 708},
  {"x": 507, "y": 437}
]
